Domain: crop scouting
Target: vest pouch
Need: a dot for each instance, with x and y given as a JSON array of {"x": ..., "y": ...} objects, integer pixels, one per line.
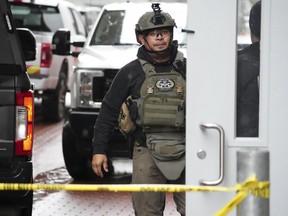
[
  {"x": 168, "y": 152},
  {"x": 125, "y": 123},
  {"x": 166, "y": 111}
]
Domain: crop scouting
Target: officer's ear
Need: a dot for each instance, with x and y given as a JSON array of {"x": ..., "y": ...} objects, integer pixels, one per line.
[{"x": 141, "y": 39}]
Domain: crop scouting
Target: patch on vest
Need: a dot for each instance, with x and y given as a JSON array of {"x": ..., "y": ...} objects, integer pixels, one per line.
[{"x": 165, "y": 84}]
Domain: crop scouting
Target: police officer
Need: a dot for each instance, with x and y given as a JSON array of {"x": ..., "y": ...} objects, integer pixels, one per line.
[
  {"x": 156, "y": 79},
  {"x": 248, "y": 79}
]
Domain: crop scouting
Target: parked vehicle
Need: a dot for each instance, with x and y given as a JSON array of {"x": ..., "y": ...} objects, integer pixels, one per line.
[
  {"x": 110, "y": 45},
  {"x": 51, "y": 74},
  {"x": 16, "y": 113}
]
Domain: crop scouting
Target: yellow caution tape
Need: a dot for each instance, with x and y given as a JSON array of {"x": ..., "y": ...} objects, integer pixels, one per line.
[
  {"x": 114, "y": 188},
  {"x": 250, "y": 186},
  {"x": 232, "y": 204}
]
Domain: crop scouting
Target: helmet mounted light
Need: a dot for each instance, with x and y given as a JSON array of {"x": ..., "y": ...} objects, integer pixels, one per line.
[{"x": 158, "y": 18}]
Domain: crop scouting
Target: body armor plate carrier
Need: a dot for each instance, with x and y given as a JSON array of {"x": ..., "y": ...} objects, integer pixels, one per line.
[{"x": 161, "y": 106}]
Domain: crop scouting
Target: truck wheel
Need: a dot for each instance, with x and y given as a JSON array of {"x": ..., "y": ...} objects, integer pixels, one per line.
[
  {"x": 53, "y": 105},
  {"x": 11, "y": 211},
  {"x": 28, "y": 210},
  {"x": 75, "y": 163}
]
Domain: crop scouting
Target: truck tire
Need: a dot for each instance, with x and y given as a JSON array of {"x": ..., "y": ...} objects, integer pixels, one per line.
[
  {"x": 28, "y": 210},
  {"x": 74, "y": 162},
  {"x": 77, "y": 165},
  {"x": 53, "y": 105}
]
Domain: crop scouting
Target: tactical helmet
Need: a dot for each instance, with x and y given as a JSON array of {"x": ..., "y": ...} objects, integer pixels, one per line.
[{"x": 153, "y": 20}]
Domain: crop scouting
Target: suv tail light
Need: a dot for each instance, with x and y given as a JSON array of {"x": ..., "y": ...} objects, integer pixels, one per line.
[
  {"x": 24, "y": 122},
  {"x": 46, "y": 55}
]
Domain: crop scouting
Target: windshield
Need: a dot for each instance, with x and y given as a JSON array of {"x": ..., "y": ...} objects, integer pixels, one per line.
[
  {"x": 118, "y": 27},
  {"x": 109, "y": 29},
  {"x": 36, "y": 17}
]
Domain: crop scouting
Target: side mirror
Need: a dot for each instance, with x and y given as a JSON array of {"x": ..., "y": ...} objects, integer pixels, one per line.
[
  {"x": 28, "y": 43},
  {"x": 61, "y": 43}
]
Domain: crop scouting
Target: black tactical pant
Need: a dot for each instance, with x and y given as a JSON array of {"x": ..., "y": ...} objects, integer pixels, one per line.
[{"x": 145, "y": 171}]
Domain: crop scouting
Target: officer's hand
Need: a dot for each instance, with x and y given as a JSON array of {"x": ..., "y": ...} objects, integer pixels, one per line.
[{"x": 99, "y": 161}]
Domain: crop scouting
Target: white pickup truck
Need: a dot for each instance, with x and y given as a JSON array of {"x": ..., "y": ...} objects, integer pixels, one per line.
[{"x": 50, "y": 73}]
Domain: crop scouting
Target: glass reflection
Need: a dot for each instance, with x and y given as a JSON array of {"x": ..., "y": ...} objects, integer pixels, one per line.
[{"x": 248, "y": 68}]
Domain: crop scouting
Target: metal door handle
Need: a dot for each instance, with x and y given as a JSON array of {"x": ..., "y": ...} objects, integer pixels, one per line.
[{"x": 221, "y": 154}]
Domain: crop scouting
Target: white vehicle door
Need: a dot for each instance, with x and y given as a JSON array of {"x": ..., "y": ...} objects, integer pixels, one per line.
[{"x": 211, "y": 102}]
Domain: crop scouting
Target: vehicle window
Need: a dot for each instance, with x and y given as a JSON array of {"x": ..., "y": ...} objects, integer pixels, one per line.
[
  {"x": 78, "y": 23},
  {"x": 248, "y": 69},
  {"x": 109, "y": 29},
  {"x": 37, "y": 18}
]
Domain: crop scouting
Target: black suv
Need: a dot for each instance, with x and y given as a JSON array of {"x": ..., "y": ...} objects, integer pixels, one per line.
[{"x": 16, "y": 113}]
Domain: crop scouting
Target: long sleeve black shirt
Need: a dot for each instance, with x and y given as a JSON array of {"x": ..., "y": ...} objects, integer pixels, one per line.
[{"x": 128, "y": 81}]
